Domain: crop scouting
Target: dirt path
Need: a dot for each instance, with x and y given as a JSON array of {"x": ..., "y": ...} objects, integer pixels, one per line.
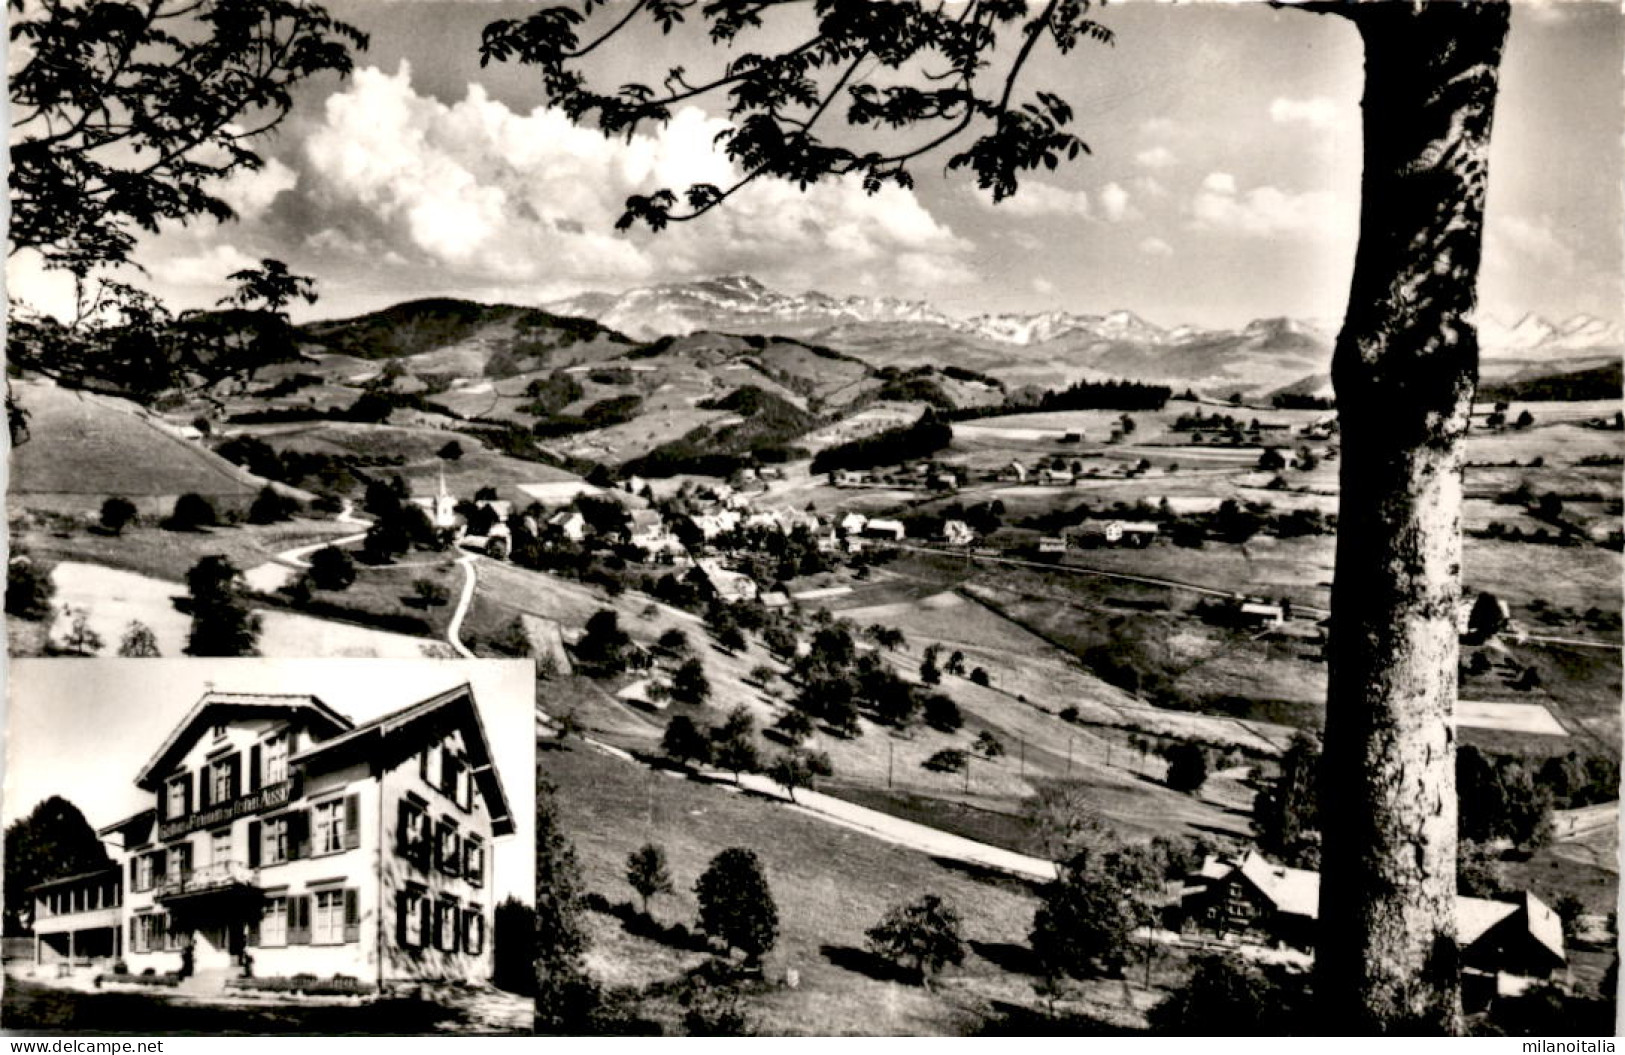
[{"x": 454, "y": 629}]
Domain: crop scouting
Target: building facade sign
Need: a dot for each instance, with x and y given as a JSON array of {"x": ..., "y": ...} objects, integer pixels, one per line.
[{"x": 267, "y": 798}]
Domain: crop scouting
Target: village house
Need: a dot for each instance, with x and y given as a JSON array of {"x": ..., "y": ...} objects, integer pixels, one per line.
[
  {"x": 1015, "y": 472},
  {"x": 1136, "y": 533},
  {"x": 729, "y": 585},
  {"x": 1052, "y": 476},
  {"x": 1505, "y": 945},
  {"x": 285, "y": 839},
  {"x": 853, "y": 523},
  {"x": 1259, "y": 615},
  {"x": 846, "y": 478},
  {"x": 957, "y": 533},
  {"x": 1051, "y": 545},
  {"x": 881, "y": 528},
  {"x": 647, "y": 529},
  {"x": 570, "y": 523},
  {"x": 716, "y": 523}
]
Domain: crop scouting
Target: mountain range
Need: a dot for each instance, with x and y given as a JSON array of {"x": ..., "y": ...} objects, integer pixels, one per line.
[{"x": 1058, "y": 346}]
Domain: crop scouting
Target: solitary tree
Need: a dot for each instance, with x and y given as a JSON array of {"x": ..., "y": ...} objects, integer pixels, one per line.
[
  {"x": 1187, "y": 767},
  {"x": 1404, "y": 370},
  {"x": 736, "y": 906},
  {"x": 192, "y": 512},
  {"x": 80, "y": 639},
  {"x": 222, "y": 624},
  {"x": 646, "y": 873},
  {"x": 733, "y": 744},
  {"x": 138, "y": 642},
  {"x": 689, "y": 684},
  {"x": 923, "y": 936},
  {"x": 685, "y": 741}
]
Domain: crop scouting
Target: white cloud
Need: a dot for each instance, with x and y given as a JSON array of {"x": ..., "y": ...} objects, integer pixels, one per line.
[
  {"x": 250, "y": 193},
  {"x": 207, "y": 267},
  {"x": 1155, "y": 247},
  {"x": 1044, "y": 286},
  {"x": 494, "y": 198},
  {"x": 1317, "y": 112},
  {"x": 1036, "y": 199},
  {"x": 1158, "y": 157},
  {"x": 1114, "y": 203},
  {"x": 1266, "y": 211}
]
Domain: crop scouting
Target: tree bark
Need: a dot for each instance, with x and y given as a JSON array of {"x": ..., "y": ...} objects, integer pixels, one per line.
[{"x": 1405, "y": 368}]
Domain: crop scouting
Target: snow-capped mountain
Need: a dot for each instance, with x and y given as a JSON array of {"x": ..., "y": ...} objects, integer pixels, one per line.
[{"x": 1533, "y": 334}]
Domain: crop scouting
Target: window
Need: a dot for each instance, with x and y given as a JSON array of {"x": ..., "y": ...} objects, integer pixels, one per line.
[
  {"x": 274, "y": 841},
  {"x": 431, "y": 767},
  {"x": 452, "y": 773},
  {"x": 147, "y": 932},
  {"x": 446, "y": 848},
  {"x": 223, "y": 779},
  {"x": 474, "y": 861},
  {"x": 411, "y": 917},
  {"x": 220, "y": 732},
  {"x": 274, "y": 922},
  {"x": 146, "y": 871},
  {"x": 220, "y": 846},
  {"x": 329, "y": 818},
  {"x": 328, "y": 923},
  {"x": 446, "y": 924},
  {"x": 412, "y": 833},
  {"x": 473, "y": 932},
  {"x": 179, "y": 859},
  {"x": 299, "y": 920},
  {"x": 177, "y": 797},
  {"x": 274, "y": 760}
]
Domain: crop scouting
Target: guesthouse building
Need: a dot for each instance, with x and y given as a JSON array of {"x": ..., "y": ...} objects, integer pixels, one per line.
[{"x": 284, "y": 839}]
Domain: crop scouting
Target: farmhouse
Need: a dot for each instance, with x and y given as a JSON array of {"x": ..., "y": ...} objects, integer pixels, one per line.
[
  {"x": 1136, "y": 533},
  {"x": 1014, "y": 471},
  {"x": 957, "y": 533},
  {"x": 729, "y": 585},
  {"x": 1259, "y": 614},
  {"x": 1053, "y": 545},
  {"x": 570, "y": 523},
  {"x": 1052, "y": 476},
  {"x": 1503, "y": 943},
  {"x": 853, "y": 523},
  {"x": 284, "y": 839},
  {"x": 881, "y": 528},
  {"x": 846, "y": 478}
]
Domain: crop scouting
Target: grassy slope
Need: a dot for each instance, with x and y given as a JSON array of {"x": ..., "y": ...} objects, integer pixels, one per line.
[
  {"x": 830, "y": 884},
  {"x": 91, "y": 446}
]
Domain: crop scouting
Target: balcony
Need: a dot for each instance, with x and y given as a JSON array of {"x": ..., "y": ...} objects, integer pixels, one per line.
[{"x": 222, "y": 879}]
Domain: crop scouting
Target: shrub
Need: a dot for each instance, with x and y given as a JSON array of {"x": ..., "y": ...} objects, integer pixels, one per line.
[
  {"x": 29, "y": 588},
  {"x": 192, "y": 512},
  {"x": 942, "y": 714},
  {"x": 117, "y": 514},
  {"x": 922, "y": 936},
  {"x": 332, "y": 569}
]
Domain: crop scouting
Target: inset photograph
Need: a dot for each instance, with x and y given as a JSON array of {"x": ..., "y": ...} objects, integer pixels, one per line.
[{"x": 256, "y": 846}]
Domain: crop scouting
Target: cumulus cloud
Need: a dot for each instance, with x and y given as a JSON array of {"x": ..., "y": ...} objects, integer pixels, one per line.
[
  {"x": 1155, "y": 247},
  {"x": 1158, "y": 157},
  {"x": 1114, "y": 204},
  {"x": 1317, "y": 112},
  {"x": 251, "y": 192},
  {"x": 501, "y": 198},
  {"x": 1266, "y": 211},
  {"x": 1036, "y": 199}
]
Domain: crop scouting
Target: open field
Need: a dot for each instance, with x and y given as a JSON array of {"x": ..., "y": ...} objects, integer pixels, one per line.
[{"x": 830, "y": 884}]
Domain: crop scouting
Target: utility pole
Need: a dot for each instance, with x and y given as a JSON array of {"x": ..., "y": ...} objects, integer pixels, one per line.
[
  {"x": 890, "y": 743},
  {"x": 1022, "y": 745},
  {"x": 1069, "y": 754}
]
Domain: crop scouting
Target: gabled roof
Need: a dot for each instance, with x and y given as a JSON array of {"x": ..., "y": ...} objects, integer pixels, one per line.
[
  {"x": 456, "y": 704},
  {"x": 1293, "y": 890},
  {"x": 212, "y": 705},
  {"x": 1476, "y": 915},
  {"x": 136, "y": 828}
]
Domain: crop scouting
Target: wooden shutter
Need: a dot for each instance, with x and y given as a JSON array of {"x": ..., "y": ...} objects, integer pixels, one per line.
[
  {"x": 402, "y": 904},
  {"x": 299, "y": 920},
  {"x": 403, "y": 820},
  {"x": 298, "y": 834},
  {"x": 235, "y": 762},
  {"x": 134, "y": 882},
  {"x": 160, "y": 866},
  {"x": 254, "y": 768},
  {"x": 254, "y": 844},
  {"x": 163, "y": 801},
  {"x": 454, "y": 859},
  {"x": 352, "y": 915},
  {"x": 187, "y": 809},
  {"x": 425, "y": 923},
  {"x": 352, "y": 821},
  {"x": 205, "y": 787}
]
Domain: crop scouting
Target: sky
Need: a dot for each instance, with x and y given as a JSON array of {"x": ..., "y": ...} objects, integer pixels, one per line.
[
  {"x": 90, "y": 725},
  {"x": 1222, "y": 185}
]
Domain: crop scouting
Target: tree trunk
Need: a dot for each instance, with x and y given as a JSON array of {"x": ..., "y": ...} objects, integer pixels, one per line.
[{"x": 1405, "y": 367}]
